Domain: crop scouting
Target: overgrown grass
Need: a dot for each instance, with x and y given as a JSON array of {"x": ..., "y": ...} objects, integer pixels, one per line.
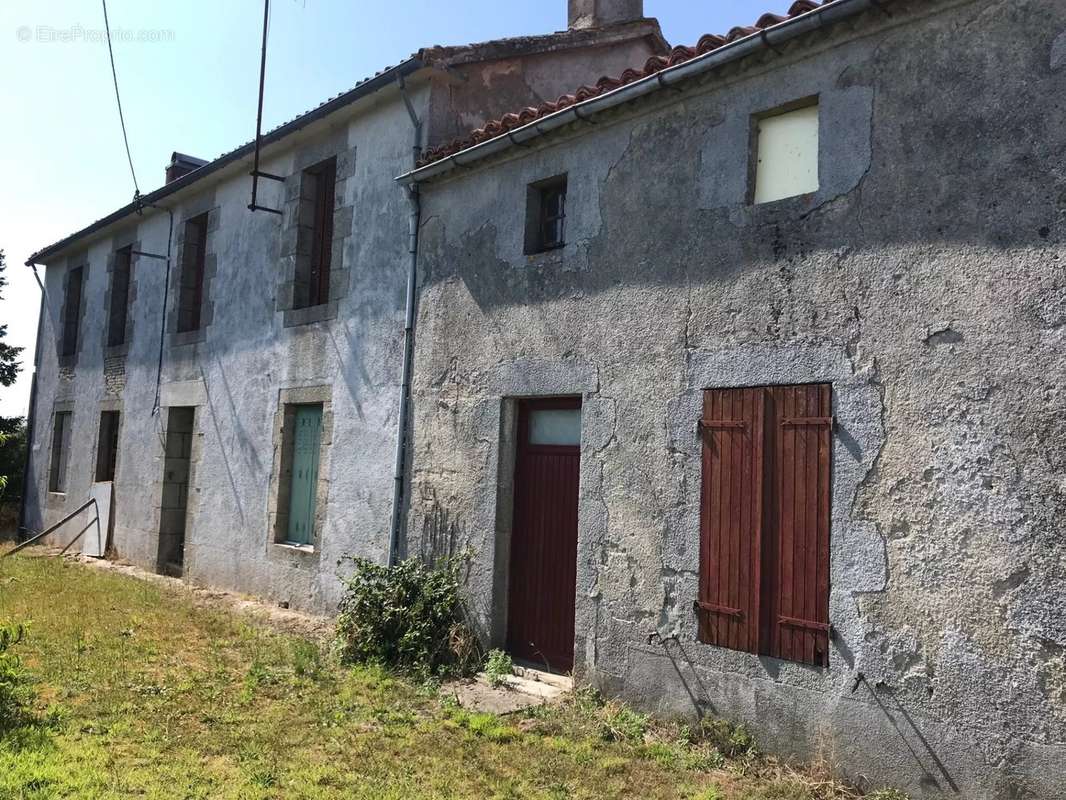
[{"x": 144, "y": 693}]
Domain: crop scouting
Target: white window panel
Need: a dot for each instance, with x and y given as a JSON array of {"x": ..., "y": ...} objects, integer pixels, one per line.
[{"x": 787, "y": 152}]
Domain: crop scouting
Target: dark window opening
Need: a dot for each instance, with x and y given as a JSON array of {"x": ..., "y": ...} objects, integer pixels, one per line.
[
  {"x": 546, "y": 215},
  {"x": 314, "y": 265},
  {"x": 173, "y": 506},
  {"x": 120, "y": 297},
  {"x": 72, "y": 312},
  {"x": 107, "y": 446},
  {"x": 191, "y": 291},
  {"x": 57, "y": 473},
  {"x": 764, "y": 521}
]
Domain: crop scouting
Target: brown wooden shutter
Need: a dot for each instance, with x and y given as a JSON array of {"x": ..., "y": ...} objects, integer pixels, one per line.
[
  {"x": 731, "y": 517},
  {"x": 322, "y": 231},
  {"x": 795, "y": 622}
]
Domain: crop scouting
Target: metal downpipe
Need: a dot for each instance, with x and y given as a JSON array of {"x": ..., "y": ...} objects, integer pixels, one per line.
[{"x": 413, "y": 222}]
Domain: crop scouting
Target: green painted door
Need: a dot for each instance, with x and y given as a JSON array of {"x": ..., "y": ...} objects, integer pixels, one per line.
[{"x": 307, "y": 435}]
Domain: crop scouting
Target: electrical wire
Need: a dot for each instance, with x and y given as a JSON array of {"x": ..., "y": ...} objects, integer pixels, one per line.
[{"x": 118, "y": 99}]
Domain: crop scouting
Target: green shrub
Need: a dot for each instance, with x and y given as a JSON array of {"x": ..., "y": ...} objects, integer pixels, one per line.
[
  {"x": 408, "y": 617},
  {"x": 498, "y": 666},
  {"x": 16, "y": 694}
]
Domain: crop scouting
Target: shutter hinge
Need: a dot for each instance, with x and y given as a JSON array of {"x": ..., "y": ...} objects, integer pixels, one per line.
[{"x": 712, "y": 608}]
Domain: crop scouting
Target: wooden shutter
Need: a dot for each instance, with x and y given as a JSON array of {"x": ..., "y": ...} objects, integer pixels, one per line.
[
  {"x": 190, "y": 299},
  {"x": 307, "y": 424},
  {"x": 325, "y": 177},
  {"x": 731, "y": 518},
  {"x": 120, "y": 297},
  {"x": 72, "y": 312},
  {"x": 796, "y": 560}
]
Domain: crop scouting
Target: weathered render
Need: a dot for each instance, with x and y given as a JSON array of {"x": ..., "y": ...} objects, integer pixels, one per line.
[
  {"x": 925, "y": 280},
  {"x": 256, "y": 350}
]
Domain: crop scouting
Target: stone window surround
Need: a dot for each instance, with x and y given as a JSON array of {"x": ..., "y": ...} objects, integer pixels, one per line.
[
  {"x": 68, "y": 362},
  {"x": 282, "y": 431},
  {"x": 195, "y": 454},
  {"x": 58, "y": 500},
  {"x": 194, "y": 208},
  {"x": 857, "y": 560},
  {"x": 119, "y": 241},
  {"x": 295, "y": 236}
]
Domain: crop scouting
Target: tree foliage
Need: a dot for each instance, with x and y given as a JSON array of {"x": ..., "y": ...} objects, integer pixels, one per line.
[
  {"x": 9, "y": 356},
  {"x": 12, "y": 429}
]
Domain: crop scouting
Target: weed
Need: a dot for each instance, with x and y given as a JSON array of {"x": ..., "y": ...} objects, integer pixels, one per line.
[
  {"x": 306, "y": 660},
  {"x": 258, "y": 674},
  {"x": 887, "y": 794},
  {"x": 16, "y": 694},
  {"x": 409, "y": 617},
  {"x": 733, "y": 741},
  {"x": 498, "y": 667},
  {"x": 620, "y": 723}
]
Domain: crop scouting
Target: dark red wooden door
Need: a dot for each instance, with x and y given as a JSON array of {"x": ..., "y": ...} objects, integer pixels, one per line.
[{"x": 543, "y": 576}]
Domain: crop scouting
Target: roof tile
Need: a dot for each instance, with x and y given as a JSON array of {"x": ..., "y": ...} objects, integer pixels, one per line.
[{"x": 679, "y": 55}]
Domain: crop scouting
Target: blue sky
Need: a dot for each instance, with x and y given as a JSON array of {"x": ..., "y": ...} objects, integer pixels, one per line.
[{"x": 188, "y": 73}]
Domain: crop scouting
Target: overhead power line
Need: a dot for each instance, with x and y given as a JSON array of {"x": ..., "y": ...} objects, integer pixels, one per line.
[{"x": 118, "y": 99}]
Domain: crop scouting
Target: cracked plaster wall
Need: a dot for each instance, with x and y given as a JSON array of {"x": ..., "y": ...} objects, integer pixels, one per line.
[{"x": 925, "y": 280}]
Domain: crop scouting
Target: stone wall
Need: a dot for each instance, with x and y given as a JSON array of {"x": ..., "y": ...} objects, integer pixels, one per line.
[{"x": 925, "y": 280}]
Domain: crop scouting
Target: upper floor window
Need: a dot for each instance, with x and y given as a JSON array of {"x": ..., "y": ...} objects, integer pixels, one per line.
[
  {"x": 546, "y": 215},
  {"x": 786, "y": 153},
  {"x": 68, "y": 345},
  {"x": 120, "y": 297},
  {"x": 315, "y": 259},
  {"x": 191, "y": 291}
]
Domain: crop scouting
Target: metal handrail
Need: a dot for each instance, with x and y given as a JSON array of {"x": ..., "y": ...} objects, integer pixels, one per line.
[{"x": 66, "y": 519}]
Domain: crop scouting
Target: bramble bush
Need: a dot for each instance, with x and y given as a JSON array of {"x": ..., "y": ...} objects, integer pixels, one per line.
[{"x": 409, "y": 617}]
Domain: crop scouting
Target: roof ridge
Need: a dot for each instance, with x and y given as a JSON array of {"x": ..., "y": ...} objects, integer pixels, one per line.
[{"x": 678, "y": 55}]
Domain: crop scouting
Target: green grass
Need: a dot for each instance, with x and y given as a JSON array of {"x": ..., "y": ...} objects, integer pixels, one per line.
[{"x": 144, "y": 693}]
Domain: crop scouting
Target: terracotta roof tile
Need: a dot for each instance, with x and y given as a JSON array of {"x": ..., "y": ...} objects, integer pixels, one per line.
[{"x": 679, "y": 55}]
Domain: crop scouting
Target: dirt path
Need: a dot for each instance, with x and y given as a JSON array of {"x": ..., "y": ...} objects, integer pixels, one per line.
[{"x": 283, "y": 620}]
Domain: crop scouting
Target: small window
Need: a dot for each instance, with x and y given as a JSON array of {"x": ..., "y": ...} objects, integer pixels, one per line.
[
  {"x": 786, "y": 153},
  {"x": 546, "y": 215},
  {"x": 120, "y": 297},
  {"x": 313, "y": 266},
  {"x": 72, "y": 312},
  {"x": 764, "y": 521},
  {"x": 555, "y": 426},
  {"x": 191, "y": 292},
  {"x": 107, "y": 446},
  {"x": 57, "y": 473}
]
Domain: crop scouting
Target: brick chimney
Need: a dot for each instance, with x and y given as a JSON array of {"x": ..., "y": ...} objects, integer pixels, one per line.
[
  {"x": 181, "y": 164},
  {"x": 597, "y": 13}
]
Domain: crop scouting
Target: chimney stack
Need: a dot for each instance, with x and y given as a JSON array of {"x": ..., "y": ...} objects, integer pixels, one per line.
[
  {"x": 181, "y": 164},
  {"x": 598, "y": 13}
]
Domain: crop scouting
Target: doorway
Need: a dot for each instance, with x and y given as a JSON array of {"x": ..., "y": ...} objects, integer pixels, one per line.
[
  {"x": 543, "y": 568},
  {"x": 174, "y": 503}
]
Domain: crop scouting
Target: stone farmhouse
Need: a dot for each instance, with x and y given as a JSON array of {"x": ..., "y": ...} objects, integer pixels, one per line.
[{"x": 738, "y": 370}]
